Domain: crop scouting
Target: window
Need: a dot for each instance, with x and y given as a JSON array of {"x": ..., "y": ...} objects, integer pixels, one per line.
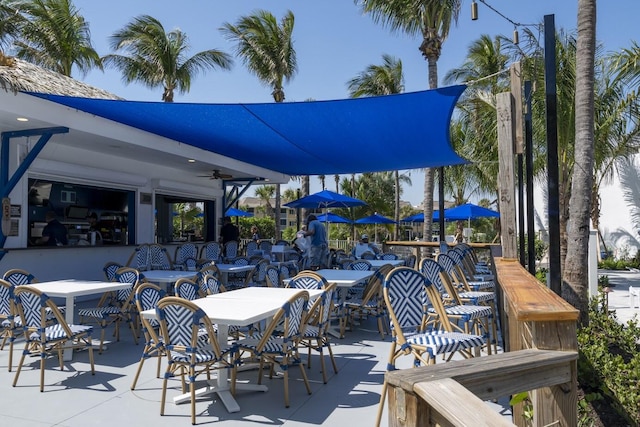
[{"x": 182, "y": 219}]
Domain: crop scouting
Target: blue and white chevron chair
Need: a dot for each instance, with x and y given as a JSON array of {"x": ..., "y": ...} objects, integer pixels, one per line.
[
  {"x": 315, "y": 336},
  {"x": 209, "y": 284},
  {"x": 407, "y": 294},
  {"x": 139, "y": 259},
  {"x": 462, "y": 294},
  {"x": 307, "y": 280},
  {"x": 9, "y": 319},
  {"x": 187, "y": 289},
  {"x": 211, "y": 251},
  {"x": 371, "y": 302},
  {"x": 231, "y": 250},
  {"x": 475, "y": 283},
  {"x": 146, "y": 297},
  {"x": 188, "y": 356},
  {"x": 272, "y": 276},
  {"x": 278, "y": 343},
  {"x": 159, "y": 258},
  {"x": 465, "y": 317},
  {"x": 43, "y": 339},
  {"x": 19, "y": 277},
  {"x": 118, "y": 309},
  {"x": 185, "y": 256}
]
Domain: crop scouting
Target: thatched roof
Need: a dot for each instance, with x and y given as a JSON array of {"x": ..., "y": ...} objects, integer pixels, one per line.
[{"x": 17, "y": 75}]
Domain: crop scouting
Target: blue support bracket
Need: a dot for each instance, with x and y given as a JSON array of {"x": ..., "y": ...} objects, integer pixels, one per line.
[{"x": 7, "y": 184}]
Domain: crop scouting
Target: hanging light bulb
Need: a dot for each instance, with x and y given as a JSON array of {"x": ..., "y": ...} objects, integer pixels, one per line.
[
  {"x": 474, "y": 11},
  {"x": 516, "y": 36}
]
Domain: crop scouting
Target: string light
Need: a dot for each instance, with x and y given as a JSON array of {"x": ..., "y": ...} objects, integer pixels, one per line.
[{"x": 516, "y": 35}]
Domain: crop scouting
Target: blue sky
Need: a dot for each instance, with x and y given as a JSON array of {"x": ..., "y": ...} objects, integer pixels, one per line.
[{"x": 334, "y": 42}]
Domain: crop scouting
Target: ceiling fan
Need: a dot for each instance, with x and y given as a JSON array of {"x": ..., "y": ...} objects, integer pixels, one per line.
[{"x": 216, "y": 174}]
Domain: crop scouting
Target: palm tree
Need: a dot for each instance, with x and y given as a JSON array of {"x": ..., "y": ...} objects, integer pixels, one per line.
[
  {"x": 432, "y": 20},
  {"x": 336, "y": 177},
  {"x": 10, "y": 24},
  {"x": 265, "y": 194},
  {"x": 322, "y": 179},
  {"x": 379, "y": 80},
  {"x": 55, "y": 36},
  {"x": 266, "y": 49},
  {"x": 157, "y": 58}
]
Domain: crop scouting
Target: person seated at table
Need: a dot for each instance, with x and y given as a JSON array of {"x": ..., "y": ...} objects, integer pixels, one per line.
[
  {"x": 54, "y": 233},
  {"x": 364, "y": 246}
]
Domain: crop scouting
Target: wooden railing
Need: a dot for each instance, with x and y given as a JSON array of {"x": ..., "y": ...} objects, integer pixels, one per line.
[{"x": 540, "y": 357}]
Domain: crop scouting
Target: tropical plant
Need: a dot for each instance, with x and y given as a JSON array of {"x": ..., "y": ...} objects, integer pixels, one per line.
[
  {"x": 10, "y": 23},
  {"x": 55, "y": 36},
  {"x": 266, "y": 49},
  {"x": 431, "y": 20},
  {"x": 265, "y": 194},
  {"x": 376, "y": 80},
  {"x": 156, "y": 58}
]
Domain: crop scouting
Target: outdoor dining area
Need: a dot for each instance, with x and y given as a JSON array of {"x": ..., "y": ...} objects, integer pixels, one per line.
[{"x": 216, "y": 343}]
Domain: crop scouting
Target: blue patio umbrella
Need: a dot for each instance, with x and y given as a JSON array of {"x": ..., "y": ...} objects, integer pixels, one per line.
[
  {"x": 236, "y": 212},
  {"x": 469, "y": 211},
  {"x": 419, "y": 217},
  {"x": 331, "y": 217},
  {"x": 325, "y": 199},
  {"x": 375, "y": 219}
]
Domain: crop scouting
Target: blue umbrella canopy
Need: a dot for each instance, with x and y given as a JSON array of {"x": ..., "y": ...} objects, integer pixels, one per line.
[
  {"x": 469, "y": 211},
  {"x": 331, "y": 217},
  {"x": 419, "y": 217},
  {"x": 325, "y": 199},
  {"x": 375, "y": 219},
  {"x": 236, "y": 212}
]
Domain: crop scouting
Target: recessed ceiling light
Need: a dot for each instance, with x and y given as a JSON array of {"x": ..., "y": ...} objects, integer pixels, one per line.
[
  {"x": 22, "y": 119},
  {"x": 191, "y": 160}
]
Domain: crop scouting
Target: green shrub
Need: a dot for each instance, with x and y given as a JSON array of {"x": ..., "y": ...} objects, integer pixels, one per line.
[{"x": 609, "y": 360}]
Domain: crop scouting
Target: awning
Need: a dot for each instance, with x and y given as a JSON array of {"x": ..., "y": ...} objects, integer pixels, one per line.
[{"x": 393, "y": 132}]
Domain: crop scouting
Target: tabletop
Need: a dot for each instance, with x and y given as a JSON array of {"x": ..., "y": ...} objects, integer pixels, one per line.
[
  {"x": 74, "y": 287},
  {"x": 261, "y": 293},
  {"x": 232, "y": 268},
  {"x": 345, "y": 278},
  {"x": 240, "y": 310},
  {"x": 377, "y": 263},
  {"x": 167, "y": 276}
]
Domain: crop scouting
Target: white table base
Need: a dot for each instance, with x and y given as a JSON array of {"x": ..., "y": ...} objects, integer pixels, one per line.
[{"x": 221, "y": 384}]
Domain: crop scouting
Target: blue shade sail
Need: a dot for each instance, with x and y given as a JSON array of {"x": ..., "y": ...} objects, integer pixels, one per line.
[{"x": 371, "y": 134}]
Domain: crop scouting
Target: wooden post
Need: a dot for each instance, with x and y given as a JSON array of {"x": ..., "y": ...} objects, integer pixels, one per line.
[{"x": 506, "y": 181}]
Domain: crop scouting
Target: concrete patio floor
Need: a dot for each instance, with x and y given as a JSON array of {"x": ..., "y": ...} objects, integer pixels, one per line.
[{"x": 75, "y": 398}]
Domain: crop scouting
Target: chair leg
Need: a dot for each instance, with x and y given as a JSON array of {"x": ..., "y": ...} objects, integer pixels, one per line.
[
  {"x": 333, "y": 361},
  {"x": 383, "y": 396}
]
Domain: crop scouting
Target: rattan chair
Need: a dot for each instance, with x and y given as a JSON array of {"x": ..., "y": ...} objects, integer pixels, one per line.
[
  {"x": 211, "y": 251},
  {"x": 147, "y": 296},
  {"x": 185, "y": 256},
  {"x": 281, "y": 347},
  {"x": 307, "y": 280},
  {"x": 315, "y": 336},
  {"x": 117, "y": 309},
  {"x": 407, "y": 294},
  {"x": 180, "y": 325},
  {"x": 43, "y": 339},
  {"x": 9, "y": 319}
]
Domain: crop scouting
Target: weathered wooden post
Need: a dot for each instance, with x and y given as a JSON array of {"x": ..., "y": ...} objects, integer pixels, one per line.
[{"x": 506, "y": 180}]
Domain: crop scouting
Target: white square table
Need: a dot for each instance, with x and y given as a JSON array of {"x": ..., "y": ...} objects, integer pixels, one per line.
[
  {"x": 72, "y": 288},
  {"x": 241, "y": 307},
  {"x": 225, "y": 269},
  {"x": 167, "y": 277},
  {"x": 344, "y": 279},
  {"x": 377, "y": 263}
]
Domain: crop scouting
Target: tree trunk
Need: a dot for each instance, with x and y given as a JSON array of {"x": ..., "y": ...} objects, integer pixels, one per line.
[
  {"x": 575, "y": 285},
  {"x": 428, "y": 204},
  {"x": 305, "y": 192}
]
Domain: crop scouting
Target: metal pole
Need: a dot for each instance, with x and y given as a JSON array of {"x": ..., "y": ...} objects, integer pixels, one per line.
[
  {"x": 440, "y": 203},
  {"x": 521, "y": 233},
  {"x": 528, "y": 135},
  {"x": 555, "y": 273}
]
